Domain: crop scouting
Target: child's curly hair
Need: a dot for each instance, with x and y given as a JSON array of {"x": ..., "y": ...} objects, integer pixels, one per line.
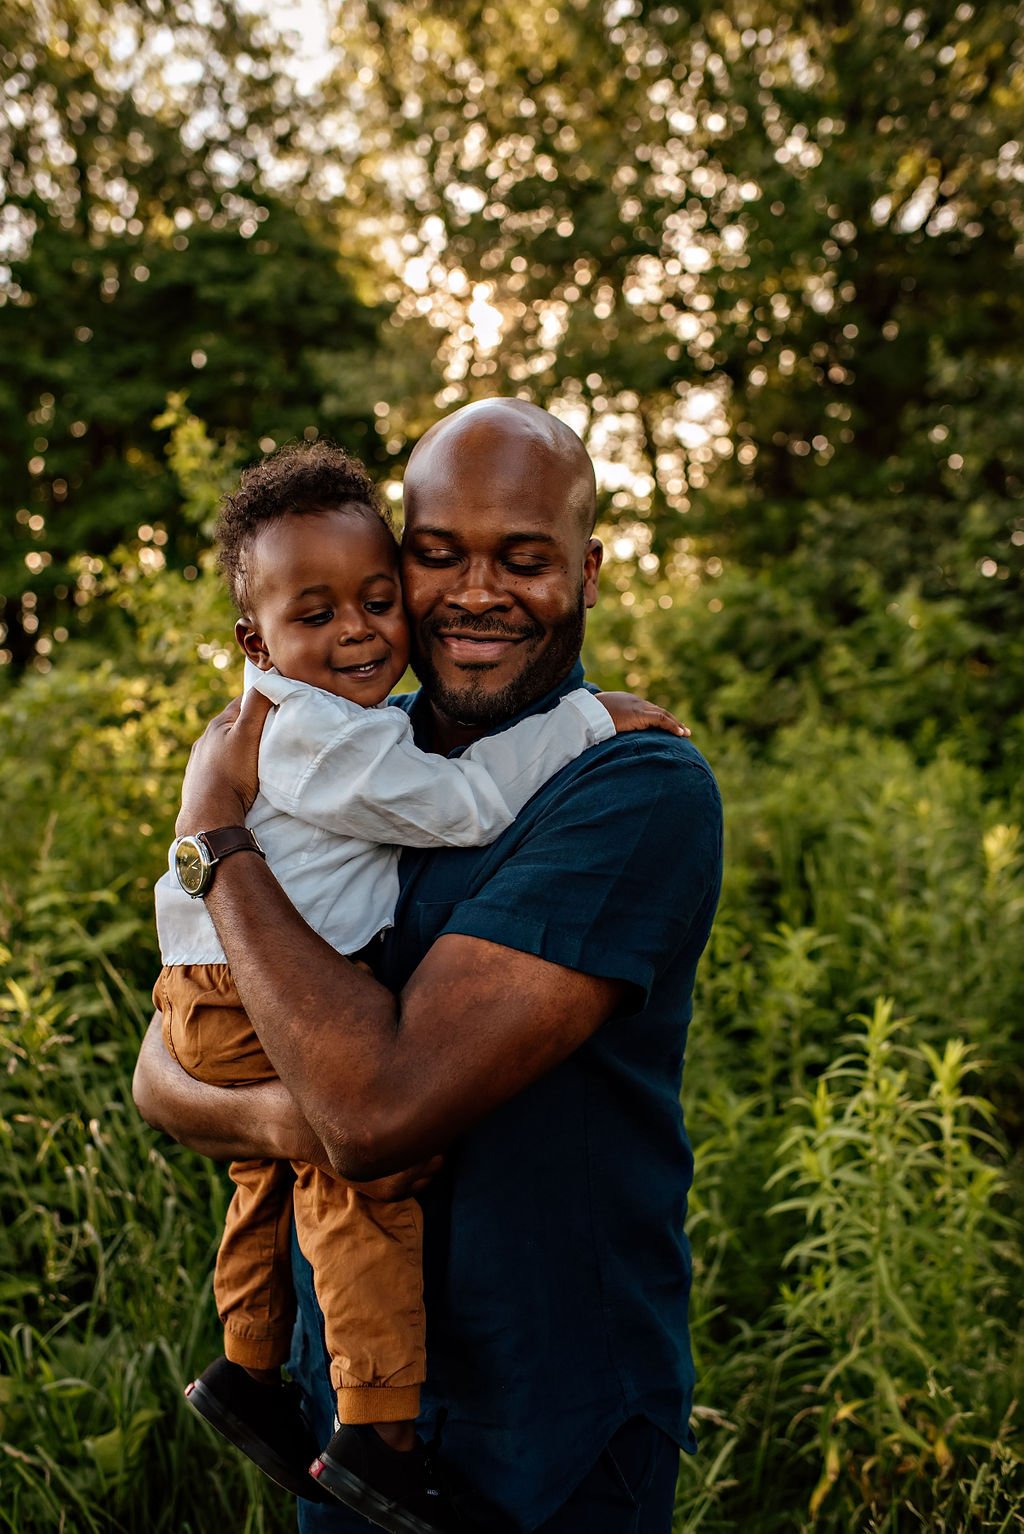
[{"x": 301, "y": 479}]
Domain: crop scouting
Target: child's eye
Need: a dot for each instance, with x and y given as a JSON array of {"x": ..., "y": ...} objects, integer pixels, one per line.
[
  {"x": 379, "y": 605},
  {"x": 318, "y": 618}
]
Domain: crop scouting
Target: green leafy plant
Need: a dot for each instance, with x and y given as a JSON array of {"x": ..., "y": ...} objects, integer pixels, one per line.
[{"x": 905, "y": 1279}]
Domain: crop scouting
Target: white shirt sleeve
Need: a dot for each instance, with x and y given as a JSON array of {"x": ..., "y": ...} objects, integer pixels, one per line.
[{"x": 356, "y": 772}]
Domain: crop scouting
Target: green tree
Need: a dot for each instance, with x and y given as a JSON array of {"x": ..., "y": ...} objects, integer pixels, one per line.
[
  {"x": 147, "y": 253},
  {"x": 767, "y": 258}
]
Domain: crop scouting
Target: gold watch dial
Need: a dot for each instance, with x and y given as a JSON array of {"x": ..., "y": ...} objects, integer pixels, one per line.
[{"x": 190, "y": 866}]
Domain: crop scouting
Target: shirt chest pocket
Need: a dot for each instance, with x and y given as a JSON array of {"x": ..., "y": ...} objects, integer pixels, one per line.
[{"x": 458, "y": 873}]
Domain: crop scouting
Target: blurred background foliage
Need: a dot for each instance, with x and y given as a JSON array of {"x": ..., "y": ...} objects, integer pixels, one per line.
[{"x": 767, "y": 261}]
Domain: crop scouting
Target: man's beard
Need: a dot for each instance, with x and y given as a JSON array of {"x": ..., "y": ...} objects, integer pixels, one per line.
[{"x": 468, "y": 702}]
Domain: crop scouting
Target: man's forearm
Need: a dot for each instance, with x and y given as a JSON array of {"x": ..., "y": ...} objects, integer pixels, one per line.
[
  {"x": 327, "y": 1026},
  {"x": 243, "y": 1123},
  {"x": 237, "y": 1123}
]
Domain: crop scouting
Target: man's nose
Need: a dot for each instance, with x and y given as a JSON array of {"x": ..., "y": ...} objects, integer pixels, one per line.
[{"x": 478, "y": 589}]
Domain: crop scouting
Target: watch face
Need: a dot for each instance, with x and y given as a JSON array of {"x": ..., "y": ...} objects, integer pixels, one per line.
[{"x": 190, "y": 866}]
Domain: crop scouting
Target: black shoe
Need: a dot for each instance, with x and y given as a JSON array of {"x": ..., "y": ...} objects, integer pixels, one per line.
[
  {"x": 398, "y": 1491},
  {"x": 265, "y": 1421}
]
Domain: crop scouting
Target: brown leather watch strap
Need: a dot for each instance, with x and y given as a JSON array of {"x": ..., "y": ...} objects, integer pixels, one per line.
[{"x": 227, "y": 839}]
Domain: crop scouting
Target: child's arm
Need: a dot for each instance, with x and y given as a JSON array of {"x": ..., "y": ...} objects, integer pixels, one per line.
[{"x": 371, "y": 782}]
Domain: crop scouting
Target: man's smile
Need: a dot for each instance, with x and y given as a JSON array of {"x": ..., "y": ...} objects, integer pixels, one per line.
[
  {"x": 482, "y": 643},
  {"x": 478, "y": 648}
]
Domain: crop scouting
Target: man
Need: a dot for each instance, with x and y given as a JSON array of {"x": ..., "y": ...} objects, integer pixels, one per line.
[{"x": 528, "y": 1016}]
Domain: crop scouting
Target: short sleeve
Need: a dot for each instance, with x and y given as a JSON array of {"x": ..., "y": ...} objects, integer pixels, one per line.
[{"x": 618, "y": 872}]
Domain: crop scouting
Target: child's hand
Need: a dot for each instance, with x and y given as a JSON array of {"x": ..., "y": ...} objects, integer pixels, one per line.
[{"x": 630, "y": 713}]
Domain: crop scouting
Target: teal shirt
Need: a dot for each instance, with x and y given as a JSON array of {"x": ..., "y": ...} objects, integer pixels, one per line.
[{"x": 556, "y": 1268}]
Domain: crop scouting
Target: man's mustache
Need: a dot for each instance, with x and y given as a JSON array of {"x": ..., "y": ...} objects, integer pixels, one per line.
[{"x": 492, "y": 628}]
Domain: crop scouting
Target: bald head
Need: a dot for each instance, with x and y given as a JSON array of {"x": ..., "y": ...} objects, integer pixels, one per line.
[{"x": 500, "y": 442}]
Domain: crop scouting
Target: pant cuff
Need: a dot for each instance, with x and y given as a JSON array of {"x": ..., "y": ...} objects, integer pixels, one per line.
[
  {"x": 378, "y": 1403},
  {"x": 257, "y": 1352}
]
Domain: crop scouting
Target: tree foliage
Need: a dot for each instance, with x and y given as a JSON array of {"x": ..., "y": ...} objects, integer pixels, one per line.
[
  {"x": 767, "y": 258},
  {"x": 148, "y": 253}
]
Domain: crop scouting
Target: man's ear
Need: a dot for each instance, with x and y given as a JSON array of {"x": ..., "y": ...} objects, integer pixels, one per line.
[
  {"x": 252, "y": 645},
  {"x": 591, "y": 568}
]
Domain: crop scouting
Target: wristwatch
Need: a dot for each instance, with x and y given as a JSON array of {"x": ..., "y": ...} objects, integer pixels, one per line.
[{"x": 194, "y": 858}]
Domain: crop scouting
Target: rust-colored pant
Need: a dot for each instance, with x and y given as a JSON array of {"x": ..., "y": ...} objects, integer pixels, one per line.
[{"x": 365, "y": 1255}]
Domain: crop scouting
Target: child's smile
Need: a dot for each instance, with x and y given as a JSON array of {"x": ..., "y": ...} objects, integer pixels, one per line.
[{"x": 327, "y": 604}]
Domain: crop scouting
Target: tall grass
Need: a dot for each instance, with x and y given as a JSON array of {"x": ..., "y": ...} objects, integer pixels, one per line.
[
  {"x": 108, "y": 1233},
  {"x": 855, "y": 1217},
  {"x": 106, "y": 1249}
]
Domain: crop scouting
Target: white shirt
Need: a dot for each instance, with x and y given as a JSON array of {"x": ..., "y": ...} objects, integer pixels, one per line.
[{"x": 343, "y": 789}]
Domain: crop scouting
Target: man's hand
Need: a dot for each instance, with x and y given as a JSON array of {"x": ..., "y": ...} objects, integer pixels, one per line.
[
  {"x": 222, "y": 775},
  {"x": 631, "y": 713},
  {"x": 257, "y": 1122},
  {"x": 244, "y": 1123}
]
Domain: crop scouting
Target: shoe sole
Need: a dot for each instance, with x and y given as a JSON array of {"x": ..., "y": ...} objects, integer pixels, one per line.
[
  {"x": 237, "y": 1432},
  {"x": 362, "y": 1497}
]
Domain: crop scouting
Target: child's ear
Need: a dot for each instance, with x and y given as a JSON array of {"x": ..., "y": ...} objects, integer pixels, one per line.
[{"x": 252, "y": 644}]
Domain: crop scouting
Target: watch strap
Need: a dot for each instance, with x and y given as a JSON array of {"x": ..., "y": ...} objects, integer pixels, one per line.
[{"x": 227, "y": 839}]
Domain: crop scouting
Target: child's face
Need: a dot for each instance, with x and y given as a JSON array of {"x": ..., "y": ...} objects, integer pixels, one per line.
[{"x": 327, "y": 604}]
